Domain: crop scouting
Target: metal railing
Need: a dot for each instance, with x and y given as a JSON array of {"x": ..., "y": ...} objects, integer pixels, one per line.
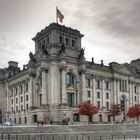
[{"x": 44, "y": 136}]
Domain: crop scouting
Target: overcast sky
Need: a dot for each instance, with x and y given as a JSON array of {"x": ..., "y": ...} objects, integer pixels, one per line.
[{"x": 111, "y": 27}]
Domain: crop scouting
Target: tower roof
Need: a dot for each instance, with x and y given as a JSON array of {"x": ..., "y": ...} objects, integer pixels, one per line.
[{"x": 56, "y": 26}]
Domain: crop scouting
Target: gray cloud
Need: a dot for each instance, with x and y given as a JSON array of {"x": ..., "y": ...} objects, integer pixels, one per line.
[{"x": 111, "y": 27}]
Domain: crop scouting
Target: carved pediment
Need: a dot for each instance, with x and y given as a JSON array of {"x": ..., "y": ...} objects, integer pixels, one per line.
[{"x": 125, "y": 70}]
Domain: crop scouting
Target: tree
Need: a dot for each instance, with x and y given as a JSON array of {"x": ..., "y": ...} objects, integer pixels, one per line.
[
  {"x": 115, "y": 111},
  {"x": 134, "y": 112},
  {"x": 86, "y": 108}
]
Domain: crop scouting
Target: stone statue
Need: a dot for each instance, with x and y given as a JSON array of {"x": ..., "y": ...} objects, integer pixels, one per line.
[
  {"x": 44, "y": 50},
  {"x": 32, "y": 57},
  {"x": 82, "y": 52}
]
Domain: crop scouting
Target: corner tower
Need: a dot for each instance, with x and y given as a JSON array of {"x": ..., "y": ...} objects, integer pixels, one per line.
[{"x": 55, "y": 39}]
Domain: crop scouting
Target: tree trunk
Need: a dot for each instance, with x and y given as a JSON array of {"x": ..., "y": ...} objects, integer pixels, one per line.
[
  {"x": 113, "y": 119},
  {"x": 137, "y": 119}
]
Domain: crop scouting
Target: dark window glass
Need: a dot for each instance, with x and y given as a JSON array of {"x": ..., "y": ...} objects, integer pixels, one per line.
[
  {"x": 107, "y": 95},
  {"x": 73, "y": 43},
  {"x": 98, "y": 104},
  {"x": 21, "y": 98},
  {"x": 70, "y": 99},
  {"x": 76, "y": 117},
  {"x": 88, "y": 82},
  {"x": 98, "y": 95},
  {"x": 67, "y": 41},
  {"x": 107, "y": 105},
  {"x": 35, "y": 118},
  {"x": 70, "y": 79},
  {"x": 107, "y": 85},
  {"x": 88, "y": 94},
  {"x": 26, "y": 97},
  {"x": 60, "y": 40},
  {"x": 97, "y": 84}
]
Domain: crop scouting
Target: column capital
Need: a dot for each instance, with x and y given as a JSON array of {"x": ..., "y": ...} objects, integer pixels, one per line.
[
  {"x": 44, "y": 68},
  {"x": 83, "y": 71},
  {"x": 32, "y": 72},
  {"x": 63, "y": 67}
]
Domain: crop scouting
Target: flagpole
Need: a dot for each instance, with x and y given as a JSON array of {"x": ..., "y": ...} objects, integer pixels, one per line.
[{"x": 56, "y": 16}]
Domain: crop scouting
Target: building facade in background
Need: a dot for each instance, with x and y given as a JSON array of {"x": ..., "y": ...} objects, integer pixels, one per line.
[{"x": 57, "y": 79}]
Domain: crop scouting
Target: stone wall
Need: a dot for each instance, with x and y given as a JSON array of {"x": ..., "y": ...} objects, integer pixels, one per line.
[{"x": 84, "y": 132}]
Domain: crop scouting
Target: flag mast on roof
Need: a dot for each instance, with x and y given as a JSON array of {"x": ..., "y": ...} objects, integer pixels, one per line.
[{"x": 59, "y": 15}]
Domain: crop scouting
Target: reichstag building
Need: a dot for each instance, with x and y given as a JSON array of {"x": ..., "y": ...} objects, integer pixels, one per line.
[{"x": 57, "y": 79}]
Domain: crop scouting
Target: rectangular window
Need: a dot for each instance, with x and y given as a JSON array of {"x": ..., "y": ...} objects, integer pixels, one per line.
[
  {"x": 98, "y": 104},
  {"x": 14, "y": 120},
  {"x": 16, "y": 90},
  {"x": 135, "y": 89},
  {"x": 98, "y": 95},
  {"x": 16, "y": 108},
  {"x": 16, "y": 100},
  {"x": 88, "y": 94},
  {"x": 25, "y": 120},
  {"x": 40, "y": 98},
  {"x": 12, "y": 109},
  {"x": 11, "y": 101},
  {"x": 73, "y": 43},
  {"x": 26, "y": 97},
  {"x": 97, "y": 84},
  {"x": 106, "y": 85},
  {"x": 76, "y": 117},
  {"x": 120, "y": 85},
  {"x": 107, "y": 95},
  {"x": 26, "y": 87},
  {"x": 21, "y": 89},
  {"x": 27, "y": 107},
  {"x": 70, "y": 99},
  {"x": 107, "y": 105},
  {"x": 135, "y": 98},
  {"x": 125, "y": 85},
  {"x": 21, "y": 107},
  {"x": 88, "y": 82},
  {"x": 21, "y": 99},
  {"x": 19, "y": 120}
]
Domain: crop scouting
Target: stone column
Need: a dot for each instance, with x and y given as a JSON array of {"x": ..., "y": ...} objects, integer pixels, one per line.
[
  {"x": 31, "y": 87},
  {"x": 114, "y": 91},
  {"x": 130, "y": 94},
  {"x": 83, "y": 84},
  {"x": 44, "y": 85},
  {"x": 103, "y": 94},
  {"x": 8, "y": 98},
  {"x": 14, "y": 108},
  {"x": 24, "y": 98},
  {"x": 63, "y": 86},
  {"x": 138, "y": 94},
  {"x": 18, "y": 96},
  {"x": 117, "y": 92},
  {"x": 94, "y": 91},
  {"x": 30, "y": 91}
]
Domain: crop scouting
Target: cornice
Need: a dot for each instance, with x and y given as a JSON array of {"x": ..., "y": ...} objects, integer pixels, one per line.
[{"x": 18, "y": 75}]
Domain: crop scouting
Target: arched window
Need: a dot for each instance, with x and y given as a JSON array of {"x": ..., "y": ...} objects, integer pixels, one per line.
[
  {"x": 60, "y": 40},
  {"x": 73, "y": 43},
  {"x": 70, "y": 79},
  {"x": 67, "y": 41}
]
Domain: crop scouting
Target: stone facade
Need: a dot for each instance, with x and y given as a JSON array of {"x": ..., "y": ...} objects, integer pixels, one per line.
[{"x": 57, "y": 79}]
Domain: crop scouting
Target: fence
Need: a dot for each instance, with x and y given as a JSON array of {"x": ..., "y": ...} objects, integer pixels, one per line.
[{"x": 64, "y": 137}]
